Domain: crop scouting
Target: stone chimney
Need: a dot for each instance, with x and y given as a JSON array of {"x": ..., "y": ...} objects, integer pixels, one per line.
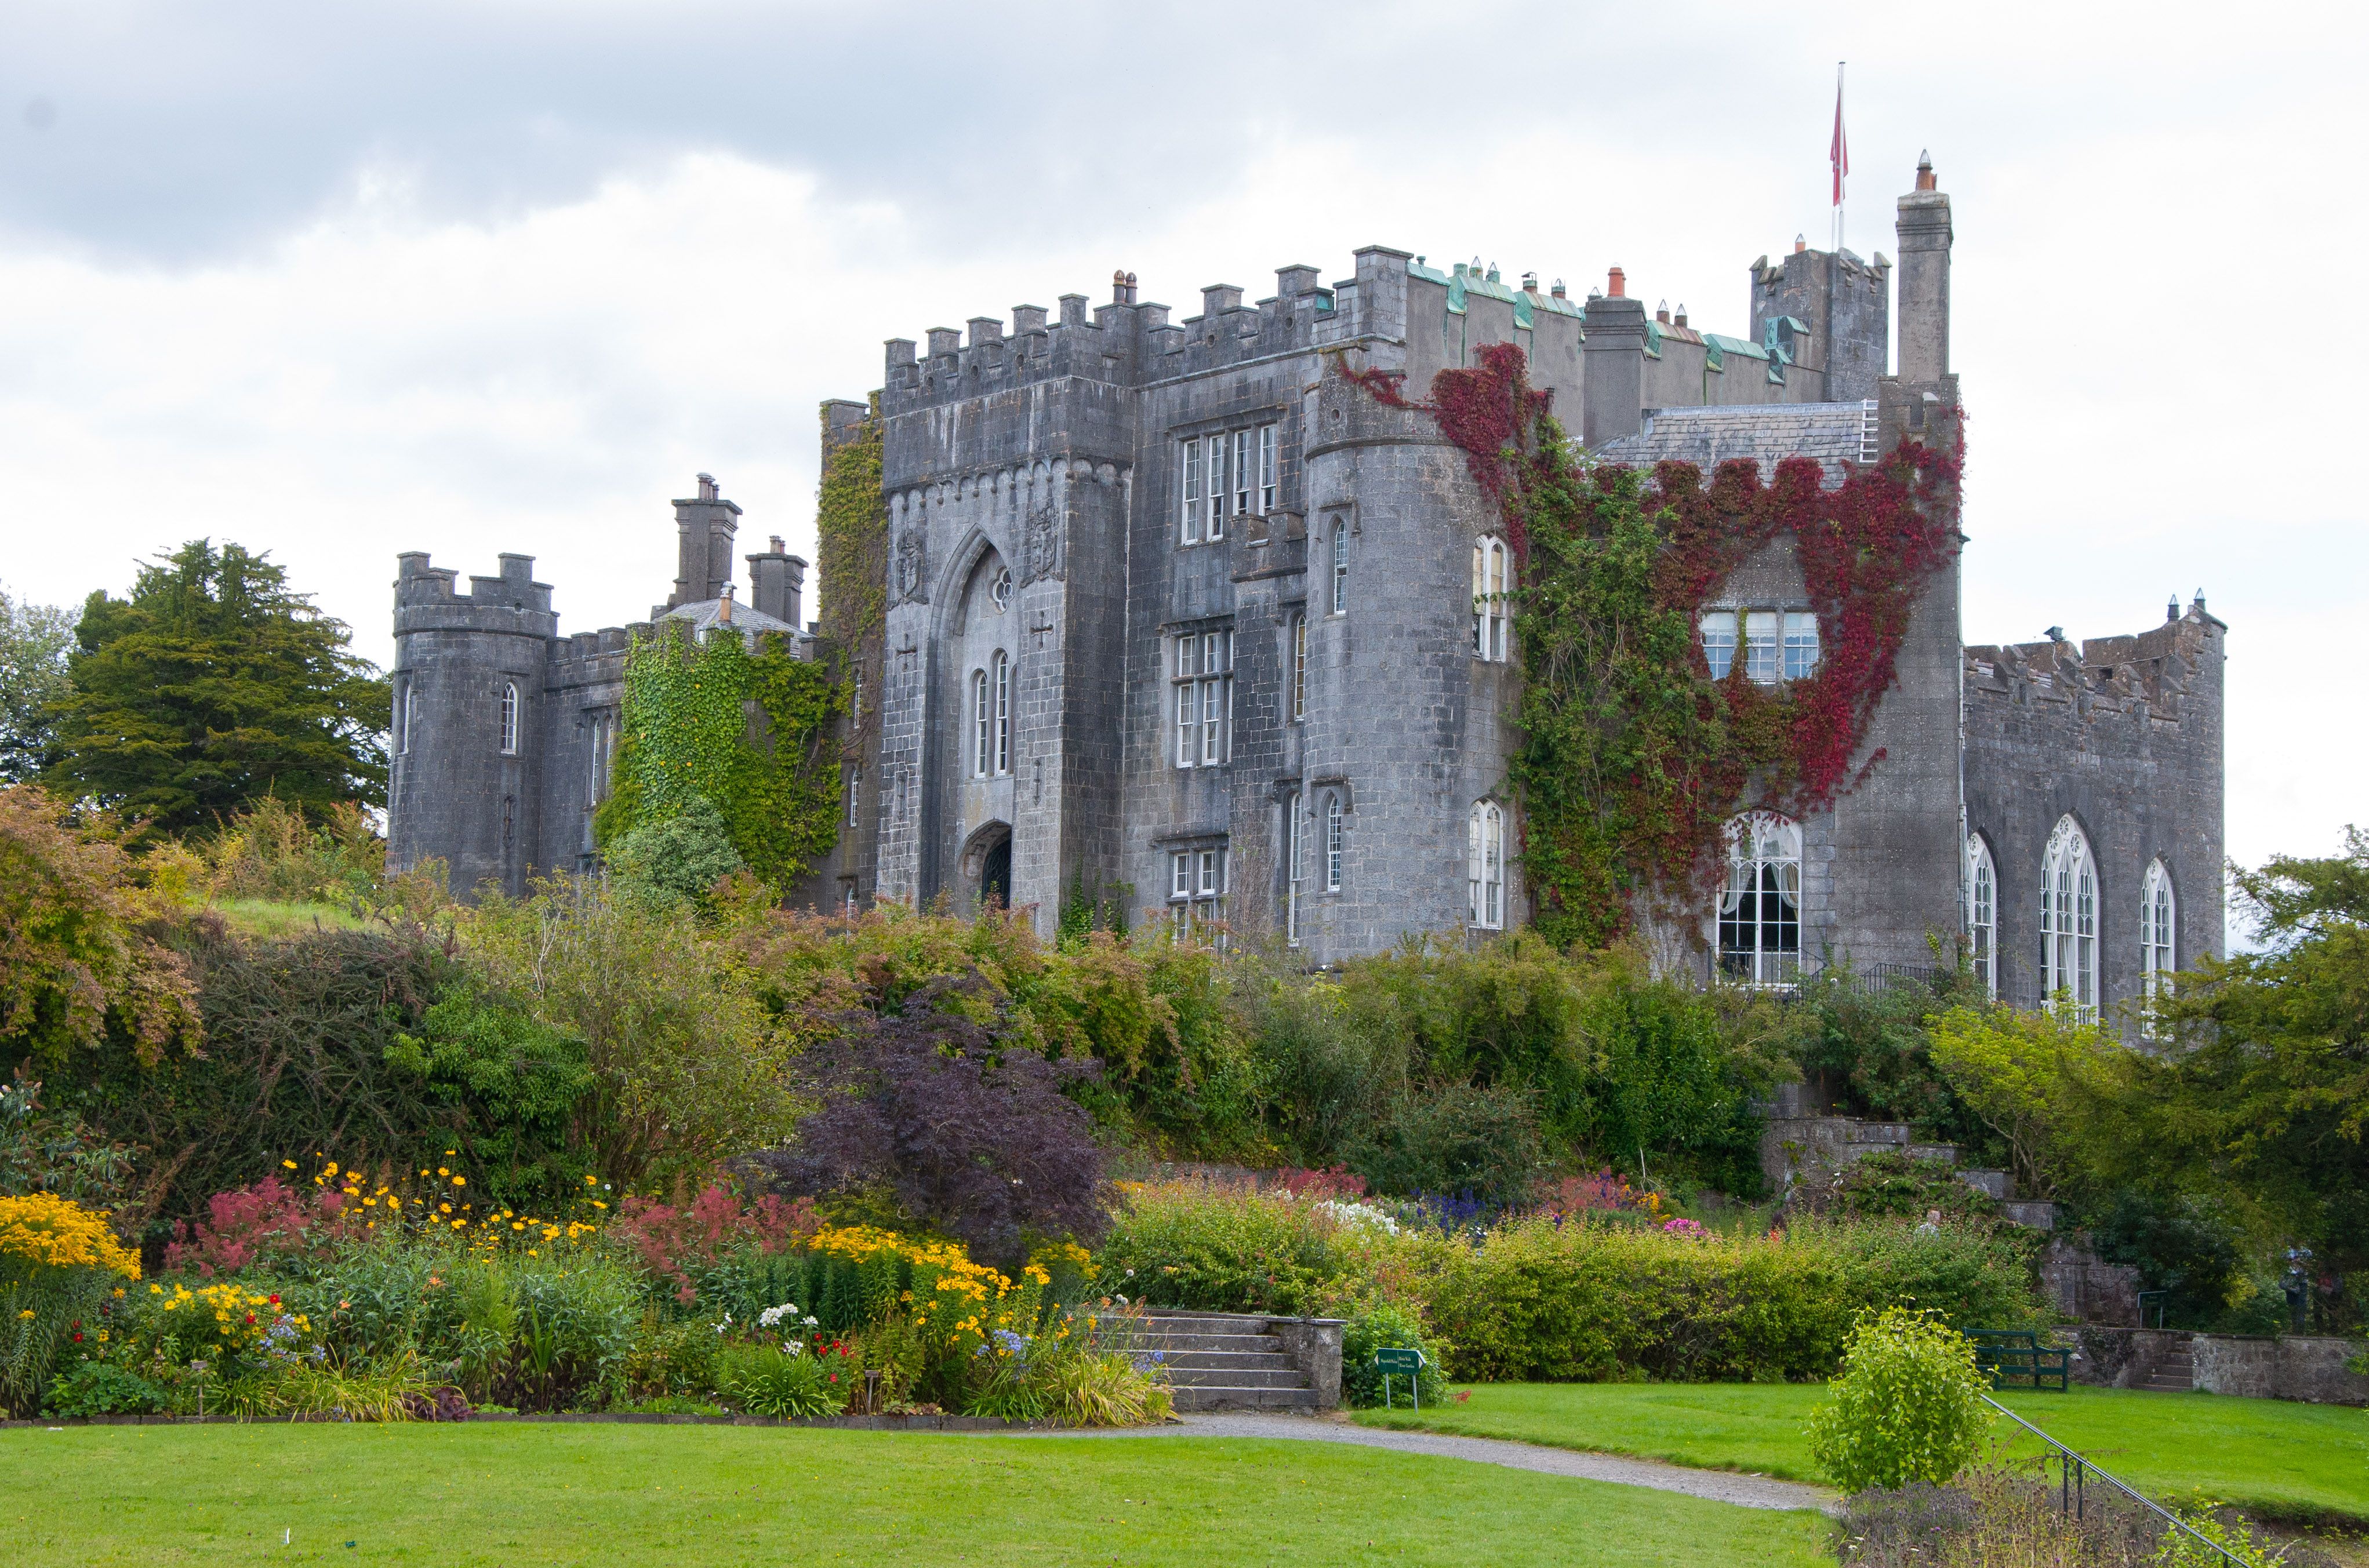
[
  {"x": 778, "y": 581},
  {"x": 1925, "y": 237},
  {"x": 704, "y": 525}
]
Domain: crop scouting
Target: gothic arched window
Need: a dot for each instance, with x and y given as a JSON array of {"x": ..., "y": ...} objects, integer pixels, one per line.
[
  {"x": 1002, "y": 713},
  {"x": 2069, "y": 916},
  {"x": 1491, "y": 582},
  {"x": 1340, "y": 566},
  {"x": 1298, "y": 666},
  {"x": 1334, "y": 840},
  {"x": 982, "y": 719},
  {"x": 1760, "y": 906},
  {"x": 1296, "y": 866},
  {"x": 510, "y": 718},
  {"x": 1485, "y": 866},
  {"x": 1982, "y": 912},
  {"x": 2156, "y": 908}
]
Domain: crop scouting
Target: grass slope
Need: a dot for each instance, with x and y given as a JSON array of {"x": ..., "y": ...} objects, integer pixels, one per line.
[
  {"x": 2273, "y": 1457},
  {"x": 268, "y": 919},
  {"x": 525, "y": 1494}
]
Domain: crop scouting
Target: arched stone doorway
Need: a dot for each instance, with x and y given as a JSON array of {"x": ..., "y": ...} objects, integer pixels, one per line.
[{"x": 987, "y": 866}]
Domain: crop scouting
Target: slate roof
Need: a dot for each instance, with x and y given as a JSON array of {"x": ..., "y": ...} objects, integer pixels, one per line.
[
  {"x": 1834, "y": 433},
  {"x": 706, "y": 614}
]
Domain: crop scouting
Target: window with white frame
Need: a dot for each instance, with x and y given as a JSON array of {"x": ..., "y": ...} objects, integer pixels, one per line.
[
  {"x": 1335, "y": 840},
  {"x": 1001, "y": 667},
  {"x": 1215, "y": 512},
  {"x": 1800, "y": 645},
  {"x": 854, "y": 786},
  {"x": 1719, "y": 641},
  {"x": 1486, "y": 867},
  {"x": 1760, "y": 906},
  {"x": 2069, "y": 916},
  {"x": 1294, "y": 864},
  {"x": 510, "y": 718},
  {"x": 1196, "y": 894},
  {"x": 1298, "y": 666},
  {"x": 847, "y": 899},
  {"x": 1761, "y": 655},
  {"x": 2156, "y": 909},
  {"x": 1982, "y": 912},
  {"x": 595, "y": 758},
  {"x": 982, "y": 722},
  {"x": 1340, "y": 566},
  {"x": 1490, "y": 585},
  {"x": 1244, "y": 469},
  {"x": 1202, "y": 688},
  {"x": 1193, "y": 486},
  {"x": 403, "y": 722},
  {"x": 1267, "y": 468}
]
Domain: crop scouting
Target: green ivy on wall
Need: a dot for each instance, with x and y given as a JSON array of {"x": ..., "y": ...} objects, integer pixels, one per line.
[
  {"x": 753, "y": 733},
  {"x": 851, "y": 535}
]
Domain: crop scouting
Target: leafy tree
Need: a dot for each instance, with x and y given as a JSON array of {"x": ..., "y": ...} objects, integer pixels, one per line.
[
  {"x": 74, "y": 958},
  {"x": 34, "y": 640},
  {"x": 212, "y": 687},
  {"x": 2263, "y": 1089},
  {"x": 677, "y": 859},
  {"x": 962, "y": 1129},
  {"x": 2039, "y": 1080},
  {"x": 1907, "y": 1407}
]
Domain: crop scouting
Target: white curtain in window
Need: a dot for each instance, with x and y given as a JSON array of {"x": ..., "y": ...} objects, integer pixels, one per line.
[
  {"x": 983, "y": 751},
  {"x": 1333, "y": 841},
  {"x": 1719, "y": 641},
  {"x": 1760, "y": 906},
  {"x": 2069, "y": 916},
  {"x": 2156, "y": 926},
  {"x": 510, "y": 718},
  {"x": 1340, "y": 569},
  {"x": 1485, "y": 868},
  {"x": 1489, "y": 583},
  {"x": 1002, "y": 713}
]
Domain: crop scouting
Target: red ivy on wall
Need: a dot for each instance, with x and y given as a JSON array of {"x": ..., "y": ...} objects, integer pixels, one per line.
[{"x": 1634, "y": 758}]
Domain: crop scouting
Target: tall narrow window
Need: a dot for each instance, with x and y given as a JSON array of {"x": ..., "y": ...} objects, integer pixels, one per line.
[
  {"x": 854, "y": 787},
  {"x": 1267, "y": 468},
  {"x": 1215, "y": 511},
  {"x": 1002, "y": 713},
  {"x": 1245, "y": 471},
  {"x": 982, "y": 717},
  {"x": 1340, "y": 566},
  {"x": 2156, "y": 927},
  {"x": 593, "y": 756},
  {"x": 1334, "y": 840},
  {"x": 1298, "y": 666},
  {"x": 847, "y": 900},
  {"x": 1760, "y": 656},
  {"x": 403, "y": 719},
  {"x": 1489, "y": 586},
  {"x": 1486, "y": 867},
  {"x": 1800, "y": 645},
  {"x": 1191, "y": 529},
  {"x": 1760, "y": 907},
  {"x": 1719, "y": 641},
  {"x": 1294, "y": 866},
  {"x": 855, "y": 707},
  {"x": 1204, "y": 694},
  {"x": 510, "y": 718},
  {"x": 1982, "y": 912},
  {"x": 2069, "y": 916}
]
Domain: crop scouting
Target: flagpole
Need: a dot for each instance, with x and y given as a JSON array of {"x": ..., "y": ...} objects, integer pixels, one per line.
[{"x": 1838, "y": 175}]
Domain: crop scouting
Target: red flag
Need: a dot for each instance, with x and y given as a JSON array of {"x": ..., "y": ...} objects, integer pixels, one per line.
[{"x": 1839, "y": 154}]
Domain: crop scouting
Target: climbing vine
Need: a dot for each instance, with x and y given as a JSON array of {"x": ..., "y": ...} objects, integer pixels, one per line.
[
  {"x": 753, "y": 733},
  {"x": 851, "y": 534},
  {"x": 1632, "y": 759}
]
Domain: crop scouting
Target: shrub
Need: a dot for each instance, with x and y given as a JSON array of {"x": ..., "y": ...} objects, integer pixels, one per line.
[
  {"x": 1893, "y": 1184},
  {"x": 1481, "y": 1141},
  {"x": 677, "y": 859},
  {"x": 1382, "y": 1327},
  {"x": 101, "y": 1388},
  {"x": 967, "y": 1131},
  {"x": 765, "y": 1379},
  {"x": 1085, "y": 1384},
  {"x": 1907, "y": 1406},
  {"x": 1540, "y": 1300},
  {"x": 58, "y": 1263},
  {"x": 43, "y": 1151},
  {"x": 1192, "y": 1245}
]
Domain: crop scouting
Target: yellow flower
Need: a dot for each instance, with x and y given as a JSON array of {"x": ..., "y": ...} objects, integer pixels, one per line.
[
  {"x": 460, "y": 1181},
  {"x": 42, "y": 1227},
  {"x": 589, "y": 1182},
  {"x": 287, "y": 1164},
  {"x": 439, "y": 1169},
  {"x": 26, "y": 1313},
  {"x": 458, "y": 1223},
  {"x": 330, "y": 1169},
  {"x": 530, "y": 1251}
]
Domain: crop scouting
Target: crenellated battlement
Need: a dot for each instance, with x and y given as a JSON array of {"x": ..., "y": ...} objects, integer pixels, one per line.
[
  {"x": 511, "y": 602},
  {"x": 2162, "y": 668}
]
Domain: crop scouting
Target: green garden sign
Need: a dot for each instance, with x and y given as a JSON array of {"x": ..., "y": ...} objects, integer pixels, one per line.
[{"x": 1408, "y": 1364}]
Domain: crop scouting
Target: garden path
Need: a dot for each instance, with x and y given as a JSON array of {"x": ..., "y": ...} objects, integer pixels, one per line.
[{"x": 1719, "y": 1486}]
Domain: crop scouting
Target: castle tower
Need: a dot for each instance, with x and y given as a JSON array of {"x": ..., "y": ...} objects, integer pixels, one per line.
[
  {"x": 705, "y": 524},
  {"x": 470, "y": 674},
  {"x": 1830, "y": 311}
]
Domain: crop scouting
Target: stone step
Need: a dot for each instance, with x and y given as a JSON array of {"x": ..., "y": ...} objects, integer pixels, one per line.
[
  {"x": 1205, "y": 1397},
  {"x": 1234, "y": 1377},
  {"x": 1195, "y": 1322},
  {"x": 1228, "y": 1360},
  {"x": 1211, "y": 1344}
]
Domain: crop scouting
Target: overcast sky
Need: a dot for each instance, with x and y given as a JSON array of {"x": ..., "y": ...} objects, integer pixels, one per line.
[{"x": 340, "y": 281}]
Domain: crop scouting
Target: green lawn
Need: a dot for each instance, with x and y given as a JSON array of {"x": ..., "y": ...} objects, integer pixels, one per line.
[
  {"x": 534, "y": 1494},
  {"x": 2277, "y": 1457}
]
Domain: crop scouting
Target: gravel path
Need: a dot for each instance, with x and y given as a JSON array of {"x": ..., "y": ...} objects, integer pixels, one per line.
[{"x": 1720, "y": 1486}]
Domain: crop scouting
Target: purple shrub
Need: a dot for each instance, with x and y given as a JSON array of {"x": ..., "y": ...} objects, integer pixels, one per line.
[{"x": 965, "y": 1131}]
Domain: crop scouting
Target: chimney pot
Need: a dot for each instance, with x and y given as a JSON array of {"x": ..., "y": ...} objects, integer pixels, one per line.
[
  {"x": 1924, "y": 172},
  {"x": 1800, "y": 244},
  {"x": 1662, "y": 312},
  {"x": 1530, "y": 283},
  {"x": 1618, "y": 285},
  {"x": 707, "y": 486},
  {"x": 776, "y": 542},
  {"x": 1558, "y": 290},
  {"x": 1682, "y": 312}
]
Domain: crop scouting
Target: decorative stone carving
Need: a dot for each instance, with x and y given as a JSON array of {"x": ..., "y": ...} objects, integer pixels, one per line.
[
  {"x": 1043, "y": 543},
  {"x": 912, "y": 561}
]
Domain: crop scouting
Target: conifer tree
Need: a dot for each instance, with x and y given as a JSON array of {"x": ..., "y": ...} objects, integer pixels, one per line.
[{"x": 211, "y": 687}]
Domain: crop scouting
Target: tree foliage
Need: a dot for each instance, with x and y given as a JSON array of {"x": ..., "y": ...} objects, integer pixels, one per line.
[
  {"x": 212, "y": 686},
  {"x": 1907, "y": 1407},
  {"x": 76, "y": 955},
  {"x": 34, "y": 642},
  {"x": 964, "y": 1127}
]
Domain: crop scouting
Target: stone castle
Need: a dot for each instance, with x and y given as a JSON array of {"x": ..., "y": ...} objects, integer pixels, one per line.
[{"x": 1175, "y": 616}]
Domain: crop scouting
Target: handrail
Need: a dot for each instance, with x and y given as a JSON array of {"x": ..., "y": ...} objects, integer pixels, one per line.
[{"x": 2072, "y": 1465}]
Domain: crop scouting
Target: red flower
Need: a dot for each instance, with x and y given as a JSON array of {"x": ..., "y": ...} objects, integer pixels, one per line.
[
  {"x": 250, "y": 1317},
  {"x": 275, "y": 1300},
  {"x": 77, "y": 1339}
]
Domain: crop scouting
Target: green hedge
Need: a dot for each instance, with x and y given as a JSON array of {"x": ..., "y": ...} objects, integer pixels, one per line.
[{"x": 1538, "y": 1302}]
